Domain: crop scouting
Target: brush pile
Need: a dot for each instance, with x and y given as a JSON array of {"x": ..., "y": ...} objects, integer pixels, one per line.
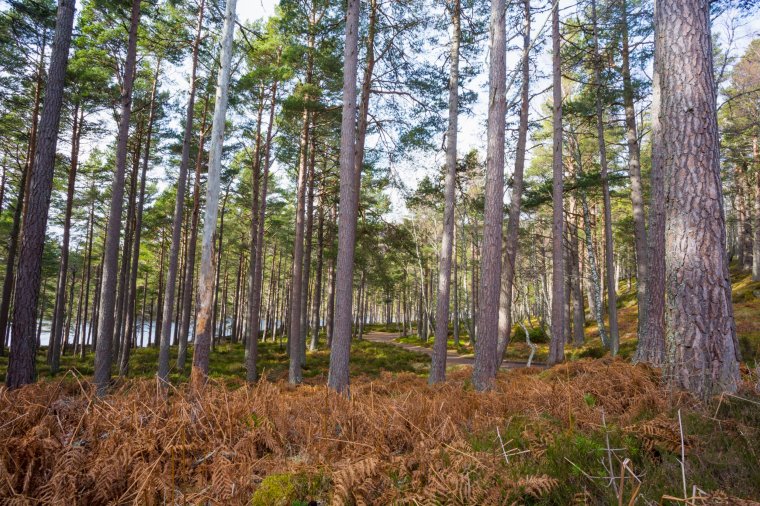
[{"x": 396, "y": 440}]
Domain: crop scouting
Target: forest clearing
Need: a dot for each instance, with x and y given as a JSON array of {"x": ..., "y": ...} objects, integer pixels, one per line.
[{"x": 370, "y": 252}]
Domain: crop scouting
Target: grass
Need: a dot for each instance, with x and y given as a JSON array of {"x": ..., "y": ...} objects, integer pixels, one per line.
[
  {"x": 227, "y": 363},
  {"x": 746, "y": 304}
]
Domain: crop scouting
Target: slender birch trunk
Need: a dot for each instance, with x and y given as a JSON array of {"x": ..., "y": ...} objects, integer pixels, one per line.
[{"x": 206, "y": 276}]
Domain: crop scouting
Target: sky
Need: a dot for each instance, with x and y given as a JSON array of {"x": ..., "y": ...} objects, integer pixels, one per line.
[{"x": 250, "y": 10}]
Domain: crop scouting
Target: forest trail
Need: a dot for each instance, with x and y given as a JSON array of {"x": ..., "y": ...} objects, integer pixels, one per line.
[{"x": 452, "y": 357}]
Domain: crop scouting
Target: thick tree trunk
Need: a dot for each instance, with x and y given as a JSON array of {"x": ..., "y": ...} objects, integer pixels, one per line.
[
  {"x": 21, "y": 366},
  {"x": 206, "y": 276},
  {"x": 557, "y": 344},
  {"x": 9, "y": 280},
  {"x": 438, "y": 365},
  {"x": 609, "y": 256},
  {"x": 338, "y": 377},
  {"x": 179, "y": 208},
  {"x": 513, "y": 226},
  {"x": 701, "y": 343},
  {"x": 486, "y": 347},
  {"x": 103, "y": 353}
]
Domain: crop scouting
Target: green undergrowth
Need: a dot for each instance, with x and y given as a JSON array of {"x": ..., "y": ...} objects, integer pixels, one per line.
[
  {"x": 227, "y": 362},
  {"x": 718, "y": 457}
]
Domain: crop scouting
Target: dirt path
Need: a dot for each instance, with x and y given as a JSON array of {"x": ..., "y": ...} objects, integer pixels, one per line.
[{"x": 452, "y": 357}]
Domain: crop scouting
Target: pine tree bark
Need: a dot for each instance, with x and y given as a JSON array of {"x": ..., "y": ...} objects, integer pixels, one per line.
[
  {"x": 438, "y": 364},
  {"x": 60, "y": 299},
  {"x": 179, "y": 208},
  {"x": 651, "y": 346},
  {"x": 557, "y": 344},
  {"x": 206, "y": 276},
  {"x": 21, "y": 366},
  {"x": 187, "y": 297},
  {"x": 119, "y": 337},
  {"x": 513, "y": 226},
  {"x": 317, "y": 298},
  {"x": 308, "y": 246},
  {"x": 295, "y": 375},
  {"x": 338, "y": 376},
  {"x": 87, "y": 324},
  {"x": 9, "y": 281},
  {"x": 756, "y": 235},
  {"x": 701, "y": 345},
  {"x": 132, "y": 295},
  {"x": 257, "y": 264},
  {"x": 486, "y": 346},
  {"x": 634, "y": 172},
  {"x": 609, "y": 255},
  {"x": 103, "y": 353}
]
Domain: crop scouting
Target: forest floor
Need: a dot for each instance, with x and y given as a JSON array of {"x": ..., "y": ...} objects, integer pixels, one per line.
[
  {"x": 746, "y": 302},
  {"x": 453, "y": 357},
  {"x": 590, "y": 431}
]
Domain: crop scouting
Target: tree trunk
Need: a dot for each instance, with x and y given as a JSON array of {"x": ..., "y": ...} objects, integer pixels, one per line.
[
  {"x": 21, "y": 366},
  {"x": 702, "y": 348},
  {"x": 609, "y": 255},
  {"x": 187, "y": 300},
  {"x": 513, "y": 226},
  {"x": 317, "y": 298},
  {"x": 557, "y": 344},
  {"x": 207, "y": 267},
  {"x": 103, "y": 353},
  {"x": 438, "y": 365},
  {"x": 257, "y": 263},
  {"x": 60, "y": 299},
  {"x": 756, "y": 236},
  {"x": 9, "y": 280},
  {"x": 119, "y": 338},
  {"x": 295, "y": 375},
  {"x": 651, "y": 346},
  {"x": 87, "y": 326},
  {"x": 179, "y": 208},
  {"x": 132, "y": 295},
  {"x": 161, "y": 290},
  {"x": 333, "y": 279},
  {"x": 308, "y": 246},
  {"x": 338, "y": 376},
  {"x": 486, "y": 347},
  {"x": 579, "y": 317},
  {"x": 637, "y": 192}
]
